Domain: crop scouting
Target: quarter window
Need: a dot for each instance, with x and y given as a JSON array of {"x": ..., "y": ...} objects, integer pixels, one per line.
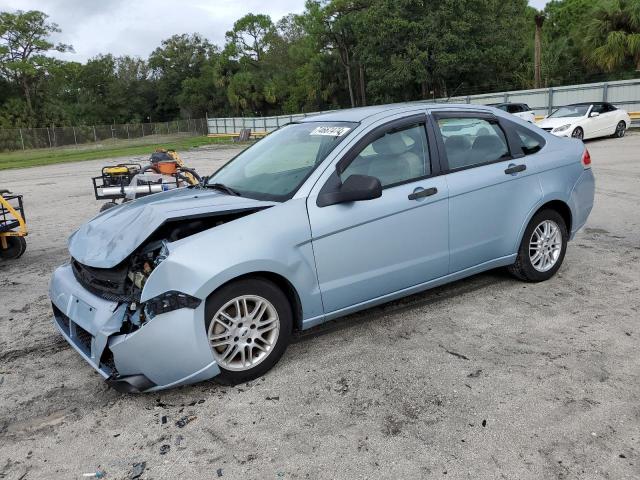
[
  {"x": 472, "y": 141},
  {"x": 529, "y": 143},
  {"x": 397, "y": 157}
]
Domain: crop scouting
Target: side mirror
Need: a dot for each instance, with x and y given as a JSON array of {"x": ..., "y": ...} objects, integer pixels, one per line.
[
  {"x": 594, "y": 114},
  {"x": 354, "y": 188}
]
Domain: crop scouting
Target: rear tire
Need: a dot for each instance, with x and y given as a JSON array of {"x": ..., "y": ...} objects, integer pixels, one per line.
[
  {"x": 542, "y": 249},
  {"x": 16, "y": 246},
  {"x": 621, "y": 129},
  {"x": 254, "y": 317}
]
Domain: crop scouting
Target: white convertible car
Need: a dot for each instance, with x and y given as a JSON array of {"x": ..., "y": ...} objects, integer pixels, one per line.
[{"x": 587, "y": 120}]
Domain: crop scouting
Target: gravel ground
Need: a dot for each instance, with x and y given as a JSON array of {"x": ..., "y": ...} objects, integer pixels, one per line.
[{"x": 484, "y": 378}]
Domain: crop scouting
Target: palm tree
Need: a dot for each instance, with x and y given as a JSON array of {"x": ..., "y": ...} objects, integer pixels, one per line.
[
  {"x": 613, "y": 36},
  {"x": 537, "y": 63}
]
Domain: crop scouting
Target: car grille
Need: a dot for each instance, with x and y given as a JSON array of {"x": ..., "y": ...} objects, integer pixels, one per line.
[
  {"x": 107, "y": 283},
  {"x": 83, "y": 340},
  {"x": 80, "y": 337},
  {"x": 83, "y": 337}
]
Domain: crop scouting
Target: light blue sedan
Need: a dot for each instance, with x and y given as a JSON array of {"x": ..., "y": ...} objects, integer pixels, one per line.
[{"x": 321, "y": 218}]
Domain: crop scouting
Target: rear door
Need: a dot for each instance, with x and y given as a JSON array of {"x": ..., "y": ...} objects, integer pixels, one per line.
[{"x": 492, "y": 184}]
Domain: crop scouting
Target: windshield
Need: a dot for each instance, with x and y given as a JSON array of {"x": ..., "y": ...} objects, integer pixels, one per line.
[
  {"x": 570, "y": 111},
  {"x": 276, "y": 166}
]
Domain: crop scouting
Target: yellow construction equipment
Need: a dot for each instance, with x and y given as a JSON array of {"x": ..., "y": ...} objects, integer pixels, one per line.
[{"x": 13, "y": 227}]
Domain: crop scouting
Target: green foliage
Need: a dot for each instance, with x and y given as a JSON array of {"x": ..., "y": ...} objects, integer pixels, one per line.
[
  {"x": 613, "y": 35},
  {"x": 36, "y": 157},
  {"x": 337, "y": 53}
]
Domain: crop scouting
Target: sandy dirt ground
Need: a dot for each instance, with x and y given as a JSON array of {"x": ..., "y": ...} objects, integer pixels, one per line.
[{"x": 484, "y": 378}]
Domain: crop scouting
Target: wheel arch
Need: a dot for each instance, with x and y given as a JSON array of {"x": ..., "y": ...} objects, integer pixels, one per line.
[
  {"x": 282, "y": 283},
  {"x": 560, "y": 206}
]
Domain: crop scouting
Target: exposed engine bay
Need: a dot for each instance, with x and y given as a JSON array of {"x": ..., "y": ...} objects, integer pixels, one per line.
[{"x": 124, "y": 282}]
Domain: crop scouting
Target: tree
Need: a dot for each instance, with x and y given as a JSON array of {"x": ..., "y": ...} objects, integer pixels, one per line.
[
  {"x": 178, "y": 58},
  {"x": 23, "y": 44},
  {"x": 250, "y": 37},
  {"x": 539, "y": 19},
  {"x": 613, "y": 36},
  {"x": 334, "y": 26}
]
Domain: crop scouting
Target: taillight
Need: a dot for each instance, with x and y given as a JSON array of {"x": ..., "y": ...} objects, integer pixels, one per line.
[{"x": 586, "y": 159}]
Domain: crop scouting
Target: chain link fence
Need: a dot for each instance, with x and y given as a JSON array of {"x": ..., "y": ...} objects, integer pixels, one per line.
[{"x": 51, "y": 137}]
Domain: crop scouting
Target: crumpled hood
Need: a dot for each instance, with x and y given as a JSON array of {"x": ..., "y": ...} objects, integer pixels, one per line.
[
  {"x": 557, "y": 122},
  {"x": 112, "y": 236}
]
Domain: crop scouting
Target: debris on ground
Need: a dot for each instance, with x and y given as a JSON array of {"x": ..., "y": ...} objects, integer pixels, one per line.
[
  {"x": 219, "y": 472},
  {"x": 455, "y": 354},
  {"x": 272, "y": 398},
  {"x": 342, "y": 386},
  {"x": 475, "y": 373},
  {"x": 164, "y": 449},
  {"x": 184, "y": 421},
  {"x": 137, "y": 470},
  {"x": 96, "y": 474}
]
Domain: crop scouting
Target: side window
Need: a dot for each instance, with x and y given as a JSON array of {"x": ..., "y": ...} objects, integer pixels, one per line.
[
  {"x": 610, "y": 108},
  {"x": 396, "y": 157},
  {"x": 472, "y": 141},
  {"x": 525, "y": 108},
  {"x": 599, "y": 107},
  {"x": 515, "y": 108},
  {"x": 530, "y": 143}
]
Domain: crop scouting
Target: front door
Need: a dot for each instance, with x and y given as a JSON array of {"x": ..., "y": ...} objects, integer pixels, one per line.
[{"x": 368, "y": 249}]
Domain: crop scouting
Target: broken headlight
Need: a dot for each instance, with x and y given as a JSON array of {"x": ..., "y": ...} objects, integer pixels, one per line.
[{"x": 170, "y": 301}]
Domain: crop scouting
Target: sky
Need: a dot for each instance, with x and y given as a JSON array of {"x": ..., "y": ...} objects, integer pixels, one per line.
[{"x": 136, "y": 27}]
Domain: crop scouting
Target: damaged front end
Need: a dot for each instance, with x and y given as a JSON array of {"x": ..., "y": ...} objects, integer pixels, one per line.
[{"x": 135, "y": 346}]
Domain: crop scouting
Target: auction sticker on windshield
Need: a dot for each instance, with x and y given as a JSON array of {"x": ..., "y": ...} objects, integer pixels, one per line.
[{"x": 330, "y": 131}]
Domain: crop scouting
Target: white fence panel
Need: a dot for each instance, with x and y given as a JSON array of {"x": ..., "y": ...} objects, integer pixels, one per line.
[{"x": 623, "y": 93}]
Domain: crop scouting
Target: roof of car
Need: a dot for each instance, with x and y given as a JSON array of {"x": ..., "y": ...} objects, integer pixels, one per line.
[
  {"x": 361, "y": 114},
  {"x": 585, "y": 103}
]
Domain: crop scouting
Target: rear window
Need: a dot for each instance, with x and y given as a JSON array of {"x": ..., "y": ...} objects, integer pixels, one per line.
[{"x": 470, "y": 141}]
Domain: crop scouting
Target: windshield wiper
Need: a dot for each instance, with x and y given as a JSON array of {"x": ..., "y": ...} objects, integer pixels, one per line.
[{"x": 224, "y": 188}]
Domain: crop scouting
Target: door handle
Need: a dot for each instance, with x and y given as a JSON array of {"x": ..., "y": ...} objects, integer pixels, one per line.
[
  {"x": 515, "y": 169},
  {"x": 423, "y": 193}
]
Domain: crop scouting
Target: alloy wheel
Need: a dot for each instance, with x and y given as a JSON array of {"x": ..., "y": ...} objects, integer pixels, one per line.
[
  {"x": 620, "y": 130},
  {"x": 545, "y": 246},
  {"x": 577, "y": 133},
  {"x": 243, "y": 332}
]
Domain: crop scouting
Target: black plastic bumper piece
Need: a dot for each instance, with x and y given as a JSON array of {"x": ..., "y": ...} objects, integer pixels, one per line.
[{"x": 130, "y": 383}]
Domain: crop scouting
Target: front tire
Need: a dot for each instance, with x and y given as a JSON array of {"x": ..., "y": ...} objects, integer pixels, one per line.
[
  {"x": 578, "y": 133},
  {"x": 248, "y": 324},
  {"x": 542, "y": 249}
]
